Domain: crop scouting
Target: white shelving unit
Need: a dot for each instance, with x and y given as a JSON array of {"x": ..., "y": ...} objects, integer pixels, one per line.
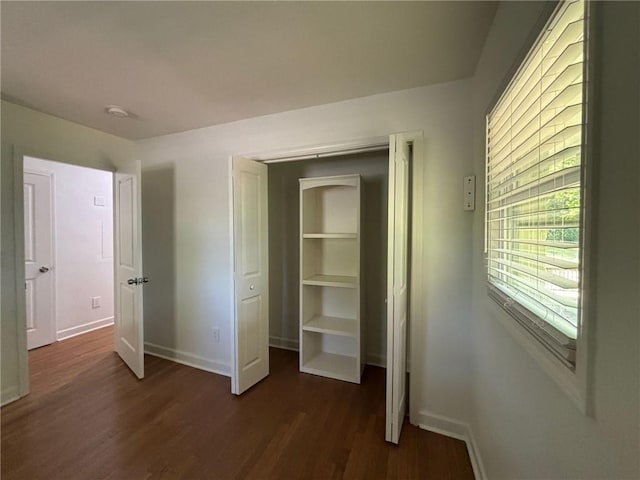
[{"x": 330, "y": 326}]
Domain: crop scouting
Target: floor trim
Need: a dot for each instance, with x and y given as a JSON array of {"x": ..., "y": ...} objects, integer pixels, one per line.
[
  {"x": 84, "y": 328},
  {"x": 284, "y": 343},
  {"x": 455, "y": 429},
  {"x": 377, "y": 360},
  {"x": 188, "y": 359}
]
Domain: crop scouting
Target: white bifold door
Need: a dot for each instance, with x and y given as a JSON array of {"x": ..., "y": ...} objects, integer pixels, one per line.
[
  {"x": 397, "y": 286},
  {"x": 251, "y": 274},
  {"x": 129, "y": 339},
  {"x": 38, "y": 258}
]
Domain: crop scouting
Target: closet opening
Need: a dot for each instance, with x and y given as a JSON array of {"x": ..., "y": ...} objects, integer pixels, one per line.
[
  {"x": 339, "y": 256},
  {"x": 334, "y": 287}
]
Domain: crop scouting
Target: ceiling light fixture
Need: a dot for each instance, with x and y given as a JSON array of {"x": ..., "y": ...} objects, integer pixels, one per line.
[{"x": 116, "y": 111}]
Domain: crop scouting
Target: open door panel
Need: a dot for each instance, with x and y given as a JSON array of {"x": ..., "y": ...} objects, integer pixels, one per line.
[
  {"x": 397, "y": 286},
  {"x": 129, "y": 338},
  {"x": 251, "y": 274}
]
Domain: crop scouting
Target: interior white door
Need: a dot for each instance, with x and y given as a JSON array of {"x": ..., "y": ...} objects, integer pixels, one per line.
[
  {"x": 397, "y": 286},
  {"x": 129, "y": 338},
  {"x": 251, "y": 274},
  {"x": 38, "y": 259}
]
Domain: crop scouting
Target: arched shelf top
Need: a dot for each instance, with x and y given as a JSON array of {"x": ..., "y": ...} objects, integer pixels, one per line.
[{"x": 335, "y": 181}]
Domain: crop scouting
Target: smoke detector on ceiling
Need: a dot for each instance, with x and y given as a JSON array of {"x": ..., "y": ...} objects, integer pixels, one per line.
[{"x": 116, "y": 111}]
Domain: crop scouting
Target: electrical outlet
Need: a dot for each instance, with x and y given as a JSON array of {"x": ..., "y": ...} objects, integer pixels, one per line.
[
  {"x": 95, "y": 302},
  {"x": 216, "y": 334}
]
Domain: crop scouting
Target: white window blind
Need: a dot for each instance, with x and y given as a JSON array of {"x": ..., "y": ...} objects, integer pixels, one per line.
[{"x": 534, "y": 187}]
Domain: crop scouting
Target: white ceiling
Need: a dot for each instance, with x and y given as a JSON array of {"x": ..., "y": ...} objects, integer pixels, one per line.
[{"x": 183, "y": 65}]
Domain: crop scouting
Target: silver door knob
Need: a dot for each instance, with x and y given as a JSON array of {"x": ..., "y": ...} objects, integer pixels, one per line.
[
  {"x": 43, "y": 269},
  {"x": 144, "y": 280},
  {"x": 132, "y": 281}
]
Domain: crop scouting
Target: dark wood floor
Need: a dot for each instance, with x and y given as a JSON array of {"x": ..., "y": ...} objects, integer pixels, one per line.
[{"x": 88, "y": 417}]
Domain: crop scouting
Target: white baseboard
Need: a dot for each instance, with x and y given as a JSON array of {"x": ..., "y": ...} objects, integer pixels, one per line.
[
  {"x": 9, "y": 394},
  {"x": 376, "y": 360},
  {"x": 294, "y": 345},
  {"x": 455, "y": 429},
  {"x": 84, "y": 328},
  {"x": 188, "y": 359},
  {"x": 284, "y": 343}
]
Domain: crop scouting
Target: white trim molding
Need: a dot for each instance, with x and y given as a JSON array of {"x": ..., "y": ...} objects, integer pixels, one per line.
[
  {"x": 284, "y": 343},
  {"x": 321, "y": 151},
  {"x": 377, "y": 360},
  {"x": 18, "y": 235},
  {"x": 454, "y": 429},
  {"x": 84, "y": 328},
  {"x": 188, "y": 359}
]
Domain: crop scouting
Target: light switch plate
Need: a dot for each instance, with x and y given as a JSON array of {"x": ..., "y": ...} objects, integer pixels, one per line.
[{"x": 98, "y": 201}]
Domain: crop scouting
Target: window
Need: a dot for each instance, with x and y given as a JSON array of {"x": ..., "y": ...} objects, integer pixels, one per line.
[{"x": 534, "y": 210}]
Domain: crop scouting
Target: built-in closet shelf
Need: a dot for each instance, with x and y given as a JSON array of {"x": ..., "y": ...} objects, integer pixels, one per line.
[
  {"x": 340, "y": 281},
  {"x": 331, "y": 342},
  {"x": 347, "y": 327},
  {"x": 340, "y": 367},
  {"x": 330, "y": 235}
]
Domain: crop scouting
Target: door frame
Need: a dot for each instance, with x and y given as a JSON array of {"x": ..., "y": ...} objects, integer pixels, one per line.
[
  {"x": 418, "y": 167},
  {"x": 19, "y": 153},
  {"x": 54, "y": 251}
]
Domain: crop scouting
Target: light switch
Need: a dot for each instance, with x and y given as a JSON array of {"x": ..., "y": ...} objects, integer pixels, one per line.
[
  {"x": 469, "y": 190},
  {"x": 98, "y": 201}
]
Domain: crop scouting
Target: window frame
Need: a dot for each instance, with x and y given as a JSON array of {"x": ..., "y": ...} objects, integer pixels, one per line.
[{"x": 575, "y": 382}]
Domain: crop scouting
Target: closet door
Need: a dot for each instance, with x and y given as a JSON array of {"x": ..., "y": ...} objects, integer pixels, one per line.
[
  {"x": 397, "y": 286},
  {"x": 251, "y": 274}
]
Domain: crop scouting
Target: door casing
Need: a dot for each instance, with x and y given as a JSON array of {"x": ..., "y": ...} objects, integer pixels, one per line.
[{"x": 18, "y": 231}]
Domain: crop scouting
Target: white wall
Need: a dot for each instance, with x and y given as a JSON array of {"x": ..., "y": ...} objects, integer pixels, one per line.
[
  {"x": 43, "y": 136},
  {"x": 83, "y": 242},
  {"x": 526, "y": 426},
  {"x": 186, "y": 235}
]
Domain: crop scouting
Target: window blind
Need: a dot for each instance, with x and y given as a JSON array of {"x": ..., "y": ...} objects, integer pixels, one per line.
[{"x": 534, "y": 187}]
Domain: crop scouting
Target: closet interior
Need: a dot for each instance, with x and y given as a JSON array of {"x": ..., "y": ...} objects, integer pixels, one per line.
[{"x": 327, "y": 261}]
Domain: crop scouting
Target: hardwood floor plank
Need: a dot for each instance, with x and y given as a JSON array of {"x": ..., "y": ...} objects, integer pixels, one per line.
[{"x": 88, "y": 417}]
